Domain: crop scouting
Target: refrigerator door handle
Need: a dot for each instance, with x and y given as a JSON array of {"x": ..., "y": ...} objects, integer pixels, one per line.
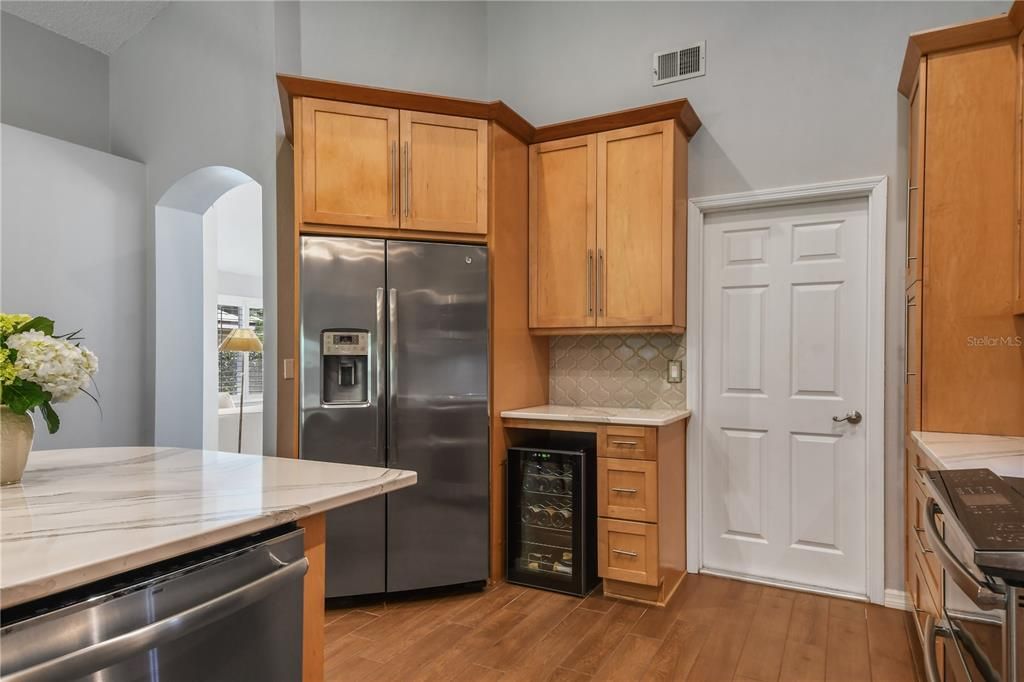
[
  {"x": 380, "y": 380},
  {"x": 392, "y": 376}
]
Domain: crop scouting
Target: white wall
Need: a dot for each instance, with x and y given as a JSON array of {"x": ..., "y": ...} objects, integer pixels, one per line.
[
  {"x": 196, "y": 88},
  {"x": 179, "y": 272},
  {"x": 795, "y": 93},
  {"x": 438, "y": 47},
  {"x": 53, "y": 85},
  {"x": 73, "y": 250}
]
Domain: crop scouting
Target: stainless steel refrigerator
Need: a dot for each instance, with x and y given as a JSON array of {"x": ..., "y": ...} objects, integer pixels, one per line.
[{"x": 394, "y": 373}]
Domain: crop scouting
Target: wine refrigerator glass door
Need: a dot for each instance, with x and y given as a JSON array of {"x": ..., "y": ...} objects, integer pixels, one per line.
[{"x": 544, "y": 525}]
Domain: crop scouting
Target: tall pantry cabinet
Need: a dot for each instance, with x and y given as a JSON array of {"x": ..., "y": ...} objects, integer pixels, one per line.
[{"x": 965, "y": 264}]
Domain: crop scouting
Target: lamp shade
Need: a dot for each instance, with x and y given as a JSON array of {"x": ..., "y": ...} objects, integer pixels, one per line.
[{"x": 241, "y": 340}]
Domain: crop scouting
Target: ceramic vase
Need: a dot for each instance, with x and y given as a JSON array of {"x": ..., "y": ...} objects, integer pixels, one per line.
[{"x": 16, "y": 434}]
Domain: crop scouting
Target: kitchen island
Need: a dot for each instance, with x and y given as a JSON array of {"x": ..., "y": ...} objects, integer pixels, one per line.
[{"x": 84, "y": 515}]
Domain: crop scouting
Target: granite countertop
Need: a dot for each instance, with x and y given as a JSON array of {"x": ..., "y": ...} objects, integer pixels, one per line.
[
  {"x": 1004, "y": 455},
  {"x": 600, "y": 415},
  {"x": 83, "y": 515}
]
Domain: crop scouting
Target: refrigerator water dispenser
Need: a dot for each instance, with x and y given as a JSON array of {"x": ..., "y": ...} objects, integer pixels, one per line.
[{"x": 343, "y": 367}]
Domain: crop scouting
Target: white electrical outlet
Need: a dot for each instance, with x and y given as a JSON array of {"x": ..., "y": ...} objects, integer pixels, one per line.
[{"x": 675, "y": 371}]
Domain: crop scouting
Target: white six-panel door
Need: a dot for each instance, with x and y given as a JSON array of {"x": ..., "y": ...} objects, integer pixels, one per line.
[{"x": 784, "y": 489}]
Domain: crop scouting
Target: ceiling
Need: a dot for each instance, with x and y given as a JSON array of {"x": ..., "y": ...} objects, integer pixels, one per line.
[{"x": 101, "y": 25}]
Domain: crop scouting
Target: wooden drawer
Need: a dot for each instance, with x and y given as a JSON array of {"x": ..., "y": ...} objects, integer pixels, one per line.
[
  {"x": 917, "y": 540},
  {"x": 627, "y": 489},
  {"x": 627, "y": 551},
  {"x": 924, "y": 605},
  {"x": 631, "y": 442}
]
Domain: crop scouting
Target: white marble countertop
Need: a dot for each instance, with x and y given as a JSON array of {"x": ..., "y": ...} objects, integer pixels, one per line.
[
  {"x": 601, "y": 415},
  {"x": 87, "y": 514},
  {"x": 1004, "y": 455}
]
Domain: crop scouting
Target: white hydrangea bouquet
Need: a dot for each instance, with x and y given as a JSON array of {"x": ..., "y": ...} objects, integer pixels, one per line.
[{"x": 39, "y": 368}]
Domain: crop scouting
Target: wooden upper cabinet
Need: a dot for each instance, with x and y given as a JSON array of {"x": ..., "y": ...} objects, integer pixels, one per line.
[
  {"x": 608, "y": 231},
  {"x": 563, "y": 221},
  {"x": 444, "y": 161},
  {"x": 1019, "y": 308},
  {"x": 349, "y": 164},
  {"x": 365, "y": 166},
  {"x": 635, "y": 226}
]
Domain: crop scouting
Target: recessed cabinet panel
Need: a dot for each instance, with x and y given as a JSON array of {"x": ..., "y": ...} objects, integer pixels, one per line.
[
  {"x": 562, "y": 233},
  {"x": 444, "y": 182},
  {"x": 349, "y": 157},
  {"x": 635, "y": 225}
]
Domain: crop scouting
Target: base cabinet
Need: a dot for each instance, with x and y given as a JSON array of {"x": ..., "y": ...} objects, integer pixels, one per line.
[{"x": 641, "y": 504}]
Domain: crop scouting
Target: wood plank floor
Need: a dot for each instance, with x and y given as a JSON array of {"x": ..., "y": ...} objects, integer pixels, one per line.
[{"x": 714, "y": 629}]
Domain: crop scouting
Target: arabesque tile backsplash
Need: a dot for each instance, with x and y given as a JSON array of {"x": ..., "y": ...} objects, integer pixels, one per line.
[{"x": 617, "y": 371}]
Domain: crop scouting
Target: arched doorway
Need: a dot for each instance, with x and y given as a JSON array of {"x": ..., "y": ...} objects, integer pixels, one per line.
[{"x": 208, "y": 281}]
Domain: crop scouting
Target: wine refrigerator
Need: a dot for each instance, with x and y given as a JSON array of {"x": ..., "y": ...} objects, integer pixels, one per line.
[{"x": 552, "y": 516}]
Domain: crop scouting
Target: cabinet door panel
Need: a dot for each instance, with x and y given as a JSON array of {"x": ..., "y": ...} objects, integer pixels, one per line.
[
  {"x": 444, "y": 159},
  {"x": 635, "y": 209},
  {"x": 562, "y": 233},
  {"x": 349, "y": 157}
]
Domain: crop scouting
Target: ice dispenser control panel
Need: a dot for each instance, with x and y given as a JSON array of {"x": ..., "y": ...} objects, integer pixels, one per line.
[{"x": 343, "y": 366}]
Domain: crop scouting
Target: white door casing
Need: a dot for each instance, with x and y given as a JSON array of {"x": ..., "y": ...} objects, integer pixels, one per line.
[{"x": 784, "y": 348}]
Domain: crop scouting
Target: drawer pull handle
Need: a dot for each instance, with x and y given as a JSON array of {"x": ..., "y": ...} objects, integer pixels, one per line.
[
  {"x": 920, "y": 545},
  {"x": 624, "y": 552},
  {"x": 630, "y": 443},
  {"x": 625, "y": 491}
]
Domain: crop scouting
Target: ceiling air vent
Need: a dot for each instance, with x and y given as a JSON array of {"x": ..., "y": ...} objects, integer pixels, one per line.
[{"x": 678, "y": 65}]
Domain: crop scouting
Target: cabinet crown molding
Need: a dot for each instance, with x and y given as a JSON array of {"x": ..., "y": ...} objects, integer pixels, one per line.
[
  {"x": 289, "y": 87},
  {"x": 956, "y": 36}
]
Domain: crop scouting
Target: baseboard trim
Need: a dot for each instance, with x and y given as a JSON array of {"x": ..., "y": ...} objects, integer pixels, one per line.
[
  {"x": 897, "y": 599},
  {"x": 785, "y": 584}
]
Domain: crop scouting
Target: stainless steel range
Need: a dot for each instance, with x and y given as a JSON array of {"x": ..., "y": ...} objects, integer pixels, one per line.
[{"x": 975, "y": 524}]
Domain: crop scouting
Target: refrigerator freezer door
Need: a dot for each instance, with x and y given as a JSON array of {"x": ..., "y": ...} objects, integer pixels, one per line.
[
  {"x": 342, "y": 288},
  {"x": 438, "y": 529}
]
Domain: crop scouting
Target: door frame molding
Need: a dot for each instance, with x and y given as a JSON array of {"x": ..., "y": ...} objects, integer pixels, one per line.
[{"x": 874, "y": 189}]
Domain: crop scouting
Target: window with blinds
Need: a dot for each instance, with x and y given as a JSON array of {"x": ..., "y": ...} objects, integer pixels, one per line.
[{"x": 230, "y": 365}]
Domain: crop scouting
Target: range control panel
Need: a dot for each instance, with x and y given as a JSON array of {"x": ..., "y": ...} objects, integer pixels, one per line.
[{"x": 990, "y": 509}]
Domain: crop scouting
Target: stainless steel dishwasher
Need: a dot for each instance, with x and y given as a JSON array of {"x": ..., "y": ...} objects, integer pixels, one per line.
[{"x": 233, "y": 612}]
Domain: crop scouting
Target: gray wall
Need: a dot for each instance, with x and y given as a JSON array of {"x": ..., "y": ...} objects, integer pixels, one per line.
[
  {"x": 53, "y": 85},
  {"x": 73, "y": 250},
  {"x": 794, "y": 93},
  {"x": 437, "y": 47},
  {"x": 196, "y": 88}
]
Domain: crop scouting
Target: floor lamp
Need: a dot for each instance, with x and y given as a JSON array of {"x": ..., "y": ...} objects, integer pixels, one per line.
[{"x": 242, "y": 340}]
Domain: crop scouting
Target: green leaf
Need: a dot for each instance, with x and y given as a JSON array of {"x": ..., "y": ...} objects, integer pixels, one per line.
[
  {"x": 52, "y": 420},
  {"x": 43, "y": 324},
  {"x": 22, "y": 396}
]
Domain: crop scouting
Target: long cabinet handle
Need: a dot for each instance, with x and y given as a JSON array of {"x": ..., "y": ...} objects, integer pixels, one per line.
[
  {"x": 627, "y": 443},
  {"x": 392, "y": 376},
  {"x": 910, "y": 303},
  {"x": 394, "y": 178},
  {"x": 624, "y": 552},
  {"x": 590, "y": 282},
  {"x": 910, "y": 225},
  {"x": 406, "y": 189},
  {"x": 600, "y": 270},
  {"x": 380, "y": 379},
  {"x": 625, "y": 491}
]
